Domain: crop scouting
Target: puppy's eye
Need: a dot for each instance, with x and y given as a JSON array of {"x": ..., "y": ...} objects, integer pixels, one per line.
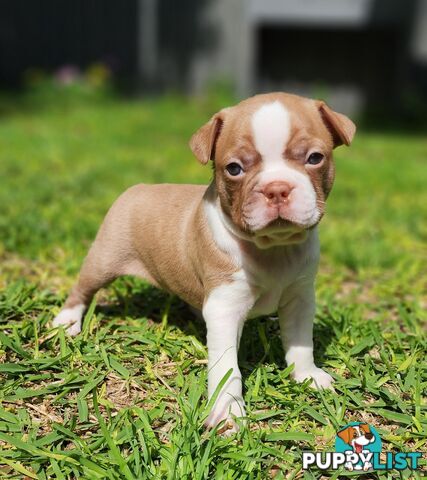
[
  {"x": 234, "y": 169},
  {"x": 315, "y": 158}
]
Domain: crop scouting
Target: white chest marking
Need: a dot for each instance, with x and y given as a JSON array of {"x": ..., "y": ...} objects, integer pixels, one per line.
[
  {"x": 283, "y": 274},
  {"x": 274, "y": 272},
  {"x": 224, "y": 239}
]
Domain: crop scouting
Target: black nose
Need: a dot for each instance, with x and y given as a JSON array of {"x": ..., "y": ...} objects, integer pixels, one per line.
[{"x": 369, "y": 435}]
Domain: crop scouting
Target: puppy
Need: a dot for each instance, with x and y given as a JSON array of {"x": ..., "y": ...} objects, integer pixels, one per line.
[
  {"x": 357, "y": 437},
  {"x": 244, "y": 246}
]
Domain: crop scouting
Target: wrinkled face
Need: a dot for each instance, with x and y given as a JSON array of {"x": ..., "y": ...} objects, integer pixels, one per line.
[{"x": 273, "y": 166}]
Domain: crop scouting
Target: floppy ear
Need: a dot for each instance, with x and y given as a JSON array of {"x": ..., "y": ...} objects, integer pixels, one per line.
[
  {"x": 340, "y": 126},
  {"x": 365, "y": 427},
  {"x": 346, "y": 435},
  {"x": 203, "y": 142}
]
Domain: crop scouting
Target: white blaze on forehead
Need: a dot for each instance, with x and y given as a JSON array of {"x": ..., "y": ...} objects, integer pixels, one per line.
[{"x": 271, "y": 129}]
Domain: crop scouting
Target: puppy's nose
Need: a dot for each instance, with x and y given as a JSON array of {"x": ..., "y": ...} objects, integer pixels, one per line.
[
  {"x": 277, "y": 192},
  {"x": 369, "y": 435}
]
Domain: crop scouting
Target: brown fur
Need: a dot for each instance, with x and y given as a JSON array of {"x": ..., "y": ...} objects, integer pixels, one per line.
[
  {"x": 365, "y": 428},
  {"x": 158, "y": 233},
  {"x": 347, "y": 434}
]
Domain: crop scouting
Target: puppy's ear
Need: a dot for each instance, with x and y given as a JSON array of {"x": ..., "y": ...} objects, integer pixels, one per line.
[
  {"x": 340, "y": 126},
  {"x": 346, "y": 435},
  {"x": 365, "y": 427},
  {"x": 203, "y": 142}
]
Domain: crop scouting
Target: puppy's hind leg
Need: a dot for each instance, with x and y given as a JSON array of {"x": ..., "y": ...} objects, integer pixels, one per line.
[{"x": 96, "y": 272}]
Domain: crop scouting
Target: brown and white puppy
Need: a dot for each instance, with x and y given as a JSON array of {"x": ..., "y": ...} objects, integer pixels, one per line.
[
  {"x": 357, "y": 437},
  {"x": 244, "y": 246}
]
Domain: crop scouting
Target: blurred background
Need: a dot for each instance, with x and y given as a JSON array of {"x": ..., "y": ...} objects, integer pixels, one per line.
[{"x": 362, "y": 55}]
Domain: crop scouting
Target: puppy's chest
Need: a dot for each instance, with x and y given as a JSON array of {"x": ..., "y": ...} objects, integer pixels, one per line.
[
  {"x": 272, "y": 281},
  {"x": 267, "y": 303}
]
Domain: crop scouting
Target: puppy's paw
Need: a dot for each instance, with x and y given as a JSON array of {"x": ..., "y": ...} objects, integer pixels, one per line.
[
  {"x": 228, "y": 411},
  {"x": 71, "y": 319},
  {"x": 320, "y": 379}
]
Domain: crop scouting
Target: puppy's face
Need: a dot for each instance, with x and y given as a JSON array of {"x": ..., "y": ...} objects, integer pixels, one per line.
[
  {"x": 358, "y": 436},
  {"x": 273, "y": 163}
]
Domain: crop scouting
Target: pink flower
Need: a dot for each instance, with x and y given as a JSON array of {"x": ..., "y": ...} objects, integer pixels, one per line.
[{"x": 67, "y": 75}]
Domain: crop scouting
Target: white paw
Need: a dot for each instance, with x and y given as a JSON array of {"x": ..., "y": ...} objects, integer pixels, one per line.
[
  {"x": 367, "y": 466},
  {"x": 71, "y": 318},
  {"x": 320, "y": 379},
  {"x": 228, "y": 411},
  {"x": 349, "y": 466}
]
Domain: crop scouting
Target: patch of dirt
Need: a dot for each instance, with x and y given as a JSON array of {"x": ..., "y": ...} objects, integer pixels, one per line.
[{"x": 121, "y": 393}]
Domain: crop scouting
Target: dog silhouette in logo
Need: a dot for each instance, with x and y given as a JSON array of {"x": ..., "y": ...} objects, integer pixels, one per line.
[{"x": 357, "y": 437}]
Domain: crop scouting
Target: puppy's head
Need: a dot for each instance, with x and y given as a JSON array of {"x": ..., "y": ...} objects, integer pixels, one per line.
[
  {"x": 357, "y": 436},
  {"x": 273, "y": 163}
]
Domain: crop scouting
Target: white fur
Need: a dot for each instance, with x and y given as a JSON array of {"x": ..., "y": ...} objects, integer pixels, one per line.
[
  {"x": 302, "y": 206},
  {"x": 271, "y": 131},
  {"x": 222, "y": 229},
  {"x": 71, "y": 318},
  {"x": 271, "y": 127},
  {"x": 278, "y": 279},
  {"x": 274, "y": 271},
  {"x": 296, "y": 323},
  {"x": 224, "y": 312},
  {"x": 361, "y": 440}
]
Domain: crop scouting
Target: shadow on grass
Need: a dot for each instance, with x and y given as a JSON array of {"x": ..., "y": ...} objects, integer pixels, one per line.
[
  {"x": 139, "y": 300},
  {"x": 260, "y": 343}
]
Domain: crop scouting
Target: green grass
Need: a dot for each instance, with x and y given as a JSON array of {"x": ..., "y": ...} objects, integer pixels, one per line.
[{"x": 127, "y": 398}]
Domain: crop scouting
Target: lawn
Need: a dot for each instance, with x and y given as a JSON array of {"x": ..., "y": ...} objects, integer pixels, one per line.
[{"x": 127, "y": 398}]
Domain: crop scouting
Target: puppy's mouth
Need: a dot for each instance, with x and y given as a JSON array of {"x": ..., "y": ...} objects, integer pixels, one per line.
[
  {"x": 280, "y": 232},
  {"x": 261, "y": 218},
  {"x": 282, "y": 224},
  {"x": 358, "y": 447}
]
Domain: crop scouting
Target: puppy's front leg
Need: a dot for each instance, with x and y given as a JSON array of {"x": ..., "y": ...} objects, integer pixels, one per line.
[
  {"x": 225, "y": 311},
  {"x": 296, "y": 326}
]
